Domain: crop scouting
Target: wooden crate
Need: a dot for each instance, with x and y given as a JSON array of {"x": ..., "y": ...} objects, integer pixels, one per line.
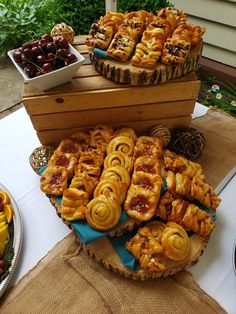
[{"x": 90, "y": 99}]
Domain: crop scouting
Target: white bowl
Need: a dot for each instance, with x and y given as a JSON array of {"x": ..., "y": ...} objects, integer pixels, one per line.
[{"x": 54, "y": 78}]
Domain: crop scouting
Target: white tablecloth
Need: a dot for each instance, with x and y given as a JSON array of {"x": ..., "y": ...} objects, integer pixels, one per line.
[{"x": 43, "y": 229}]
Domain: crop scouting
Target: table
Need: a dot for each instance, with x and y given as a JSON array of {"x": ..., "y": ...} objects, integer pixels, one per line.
[{"x": 43, "y": 229}]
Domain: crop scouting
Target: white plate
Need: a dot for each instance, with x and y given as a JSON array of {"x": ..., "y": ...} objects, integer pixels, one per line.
[{"x": 17, "y": 240}]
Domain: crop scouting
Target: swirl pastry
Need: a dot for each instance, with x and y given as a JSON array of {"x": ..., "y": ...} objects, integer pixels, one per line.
[
  {"x": 108, "y": 187},
  {"x": 177, "y": 163},
  {"x": 191, "y": 218},
  {"x": 129, "y": 132},
  {"x": 101, "y": 136},
  {"x": 175, "y": 242},
  {"x": 146, "y": 246},
  {"x": 118, "y": 158},
  {"x": 195, "y": 188},
  {"x": 103, "y": 213},
  {"x": 54, "y": 180},
  {"x": 121, "y": 144},
  {"x": 66, "y": 160},
  {"x": 73, "y": 204}
]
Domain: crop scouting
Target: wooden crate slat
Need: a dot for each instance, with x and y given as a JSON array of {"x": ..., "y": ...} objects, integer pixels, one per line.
[
  {"x": 112, "y": 115},
  {"x": 55, "y": 136}
]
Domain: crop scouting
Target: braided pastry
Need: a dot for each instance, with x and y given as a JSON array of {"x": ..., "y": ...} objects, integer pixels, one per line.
[
  {"x": 84, "y": 182},
  {"x": 175, "y": 242},
  {"x": 100, "y": 137},
  {"x": 73, "y": 204},
  {"x": 103, "y": 213},
  {"x": 177, "y": 163},
  {"x": 195, "y": 188},
  {"x": 191, "y": 218},
  {"x": 121, "y": 144},
  {"x": 118, "y": 158}
]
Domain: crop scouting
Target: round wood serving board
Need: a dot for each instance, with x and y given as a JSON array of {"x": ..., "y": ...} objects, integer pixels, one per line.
[{"x": 125, "y": 72}]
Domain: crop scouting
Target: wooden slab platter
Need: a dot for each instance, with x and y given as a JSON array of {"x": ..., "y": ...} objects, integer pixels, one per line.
[{"x": 126, "y": 73}]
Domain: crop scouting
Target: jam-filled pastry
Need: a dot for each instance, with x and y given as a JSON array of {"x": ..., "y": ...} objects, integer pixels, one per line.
[
  {"x": 177, "y": 163},
  {"x": 66, "y": 160},
  {"x": 195, "y": 188},
  {"x": 101, "y": 136},
  {"x": 108, "y": 187},
  {"x": 152, "y": 182},
  {"x": 69, "y": 146},
  {"x": 118, "y": 159},
  {"x": 54, "y": 180},
  {"x": 103, "y": 213},
  {"x": 129, "y": 132},
  {"x": 73, "y": 204},
  {"x": 121, "y": 47},
  {"x": 148, "y": 165},
  {"x": 82, "y": 139},
  {"x": 150, "y": 147},
  {"x": 175, "y": 242},
  {"x": 140, "y": 203},
  {"x": 191, "y": 217},
  {"x": 121, "y": 144},
  {"x": 146, "y": 246},
  {"x": 91, "y": 158}
]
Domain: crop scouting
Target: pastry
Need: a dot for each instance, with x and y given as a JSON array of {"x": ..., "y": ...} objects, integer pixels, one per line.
[
  {"x": 118, "y": 158},
  {"x": 103, "y": 213},
  {"x": 121, "y": 47},
  {"x": 174, "y": 16},
  {"x": 175, "y": 242},
  {"x": 64, "y": 160},
  {"x": 150, "y": 147},
  {"x": 148, "y": 165},
  {"x": 177, "y": 163},
  {"x": 82, "y": 139},
  {"x": 54, "y": 180},
  {"x": 191, "y": 217},
  {"x": 129, "y": 132},
  {"x": 121, "y": 144},
  {"x": 108, "y": 187},
  {"x": 69, "y": 146},
  {"x": 101, "y": 136},
  {"x": 73, "y": 204},
  {"x": 84, "y": 182},
  {"x": 165, "y": 205}
]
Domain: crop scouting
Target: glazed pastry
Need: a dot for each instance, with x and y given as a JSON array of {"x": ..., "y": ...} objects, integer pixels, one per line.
[
  {"x": 174, "y": 16},
  {"x": 66, "y": 160},
  {"x": 69, "y": 146},
  {"x": 195, "y": 188},
  {"x": 146, "y": 246},
  {"x": 152, "y": 182},
  {"x": 177, "y": 163},
  {"x": 103, "y": 213},
  {"x": 73, "y": 204},
  {"x": 140, "y": 203},
  {"x": 108, "y": 187},
  {"x": 121, "y": 144},
  {"x": 113, "y": 19},
  {"x": 148, "y": 165},
  {"x": 191, "y": 217},
  {"x": 150, "y": 147},
  {"x": 121, "y": 47},
  {"x": 175, "y": 242},
  {"x": 165, "y": 205},
  {"x": 84, "y": 182},
  {"x": 118, "y": 158},
  {"x": 101, "y": 136},
  {"x": 82, "y": 139},
  {"x": 54, "y": 180},
  {"x": 129, "y": 132}
]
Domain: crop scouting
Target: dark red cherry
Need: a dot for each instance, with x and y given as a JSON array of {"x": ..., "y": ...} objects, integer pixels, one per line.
[
  {"x": 28, "y": 54},
  {"x": 36, "y": 51},
  {"x": 51, "y": 47},
  {"x": 50, "y": 56},
  {"x": 26, "y": 45},
  {"x": 40, "y": 59},
  {"x": 63, "y": 52},
  {"x": 17, "y": 55},
  {"x": 47, "y": 38},
  {"x": 47, "y": 67},
  {"x": 71, "y": 58},
  {"x": 63, "y": 42}
]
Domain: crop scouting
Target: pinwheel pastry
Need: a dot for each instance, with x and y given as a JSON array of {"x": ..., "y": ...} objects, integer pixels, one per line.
[
  {"x": 54, "y": 180},
  {"x": 129, "y": 132},
  {"x": 121, "y": 144},
  {"x": 196, "y": 189},
  {"x": 103, "y": 212},
  {"x": 177, "y": 163},
  {"x": 109, "y": 187},
  {"x": 101, "y": 33},
  {"x": 118, "y": 159}
]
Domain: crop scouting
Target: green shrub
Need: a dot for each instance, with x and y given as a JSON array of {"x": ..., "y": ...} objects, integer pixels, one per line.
[{"x": 134, "y": 5}]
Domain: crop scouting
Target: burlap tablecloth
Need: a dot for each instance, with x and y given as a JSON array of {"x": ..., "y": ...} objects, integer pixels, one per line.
[{"x": 68, "y": 281}]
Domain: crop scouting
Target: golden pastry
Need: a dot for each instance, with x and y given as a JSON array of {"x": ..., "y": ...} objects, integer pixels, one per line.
[
  {"x": 101, "y": 136},
  {"x": 108, "y": 187},
  {"x": 175, "y": 16},
  {"x": 121, "y": 144},
  {"x": 175, "y": 242},
  {"x": 140, "y": 203},
  {"x": 191, "y": 217},
  {"x": 69, "y": 146},
  {"x": 165, "y": 205},
  {"x": 148, "y": 165},
  {"x": 152, "y": 182},
  {"x": 73, "y": 204},
  {"x": 54, "y": 180},
  {"x": 103, "y": 213},
  {"x": 82, "y": 139},
  {"x": 121, "y": 47},
  {"x": 84, "y": 182},
  {"x": 118, "y": 159},
  {"x": 177, "y": 163},
  {"x": 66, "y": 160},
  {"x": 148, "y": 146},
  {"x": 129, "y": 132}
]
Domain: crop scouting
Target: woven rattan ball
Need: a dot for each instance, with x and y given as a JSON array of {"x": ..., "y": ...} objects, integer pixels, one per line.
[
  {"x": 162, "y": 132},
  {"x": 64, "y": 30},
  {"x": 40, "y": 157},
  {"x": 187, "y": 141}
]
